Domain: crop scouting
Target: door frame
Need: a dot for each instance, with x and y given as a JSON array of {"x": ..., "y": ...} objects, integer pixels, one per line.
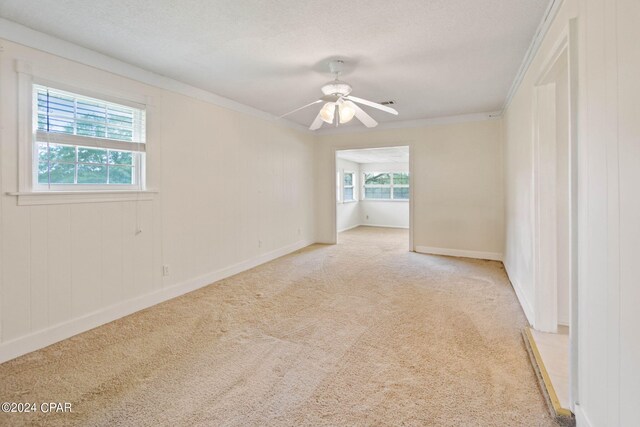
[
  {"x": 335, "y": 149},
  {"x": 545, "y": 319}
]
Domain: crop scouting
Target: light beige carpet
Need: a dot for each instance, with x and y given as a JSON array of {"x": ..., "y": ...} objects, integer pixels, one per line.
[{"x": 361, "y": 333}]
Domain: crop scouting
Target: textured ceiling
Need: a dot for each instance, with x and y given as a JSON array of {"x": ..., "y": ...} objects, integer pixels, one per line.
[
  {"x": 434, "y": 58},
  {"x": 376, "y": 155}
]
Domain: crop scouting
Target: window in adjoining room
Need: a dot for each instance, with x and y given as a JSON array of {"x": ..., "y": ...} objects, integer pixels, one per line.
[
  {"x": 348, "y": 186},
  {"x": 400, "y": 185},
  {"x": 386, "y": 186}
]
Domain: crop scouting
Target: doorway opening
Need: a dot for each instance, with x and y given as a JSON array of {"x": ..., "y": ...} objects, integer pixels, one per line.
[
  {"x": 554, "y": 333},
  {"x": 373, "y": 189}
]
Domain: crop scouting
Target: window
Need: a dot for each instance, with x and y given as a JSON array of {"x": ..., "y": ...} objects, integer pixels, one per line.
[
  {"x": 400, "y": 185},
  {"x": 348, "y": 186},
  {"x": 386, "y": 185},
  {"x": 377, "y": 185},
  {"x": 86, "y": 143}
]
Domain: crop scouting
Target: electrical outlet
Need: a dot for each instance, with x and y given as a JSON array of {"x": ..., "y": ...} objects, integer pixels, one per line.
[
  {"x": 299, "y": 231},
  {"x": 367, "y": 216},
  {"x": 165, "y": 270},
  {"x": 259, "y": 243}
]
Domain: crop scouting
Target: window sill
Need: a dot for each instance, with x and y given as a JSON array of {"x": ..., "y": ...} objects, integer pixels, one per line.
[
  {"x": 349, "y": 201},
  {"x": 91, "y": 196}
]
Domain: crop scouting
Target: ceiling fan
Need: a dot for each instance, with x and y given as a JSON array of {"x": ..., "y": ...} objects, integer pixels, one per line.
[{"x": 340, "y": 106}]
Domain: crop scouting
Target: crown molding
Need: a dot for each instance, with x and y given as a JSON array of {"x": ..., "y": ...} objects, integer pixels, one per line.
[
  {"x": 20, "y": 34},
  {"x": 26, "y": 36},
  {"x": 409, "y": 124},
  {"x": 549, "y": 16}
]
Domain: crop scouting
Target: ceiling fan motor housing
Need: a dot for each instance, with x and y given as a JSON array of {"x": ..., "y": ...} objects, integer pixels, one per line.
[{"x": 337, "y": 87}]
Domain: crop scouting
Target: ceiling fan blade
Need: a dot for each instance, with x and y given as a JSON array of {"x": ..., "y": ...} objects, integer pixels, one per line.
[
  {"x": 316, "y": 123},
  {"x": 366, "y": 119},
  {"x": 372, "y": 104},
  {"x": 301, "y": 108}
]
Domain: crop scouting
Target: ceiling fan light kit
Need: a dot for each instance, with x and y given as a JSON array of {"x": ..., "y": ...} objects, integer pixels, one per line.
[
  {"x": 340, "y": 107},
  {"x": 346, "y": 110},
  {"x": 327, "y": 112}
]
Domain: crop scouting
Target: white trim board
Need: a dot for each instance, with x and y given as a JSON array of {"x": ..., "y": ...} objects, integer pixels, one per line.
[
  {"x": 493, "y": 256},
  {"x": 26, "y": 36},
  {"x": 527, "y": 308},
  {"x": 64, "y": 197},
  {"x": 384, "y": 226},
  {"x": 581, "y": 418},
  {"x": 541, "y": 32},
  {"x": 37, "y": 340},
  {"x": 407, "y": 124},
  {"x": 349, "y": 228},
  {"x": 372, "y": 225}
]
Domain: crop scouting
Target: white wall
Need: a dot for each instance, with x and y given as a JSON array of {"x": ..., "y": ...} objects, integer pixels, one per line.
[
  {"x": 456, "y": 178},
  {"x": 608, "y": 155},
  {"x": 610, "y": 206},
  {"x": 233, "y": 191},
  {"x": 519, "y": 197},
  {"x": 393, "y": 213},
  {"x": 348, "y": 213}
]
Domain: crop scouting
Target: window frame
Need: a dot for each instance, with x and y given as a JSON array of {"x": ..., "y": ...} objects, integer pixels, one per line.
[
  {"x": 394, "y": 186},
  {"x": 26, "y": 192},
  {"x": 137, "y": 172},
  {"x": 390, "y": 186},
  {"x": 137, "y": 149},
  {"x": 352, "y": 186}
]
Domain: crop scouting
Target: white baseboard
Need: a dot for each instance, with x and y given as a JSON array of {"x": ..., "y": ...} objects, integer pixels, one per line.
[
  {"x": 349, "y": 228},
  {"x": 524, "y": 302},
  {"x": 384, "y": 226},
  {"x": 372, "y": 225},
  {"x": 37, "y": 340},
  {"x": 494, "y": 256},
  {"x": 581, "y": 418}
]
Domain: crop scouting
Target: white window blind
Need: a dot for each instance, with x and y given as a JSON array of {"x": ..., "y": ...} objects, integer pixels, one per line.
[{"x": 83, "y": 142}]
